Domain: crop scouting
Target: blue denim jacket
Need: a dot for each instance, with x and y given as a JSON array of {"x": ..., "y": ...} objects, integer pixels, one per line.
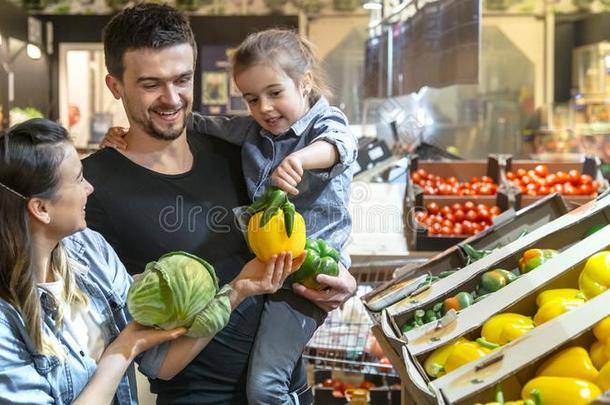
[
  {"x": 27, "y": 377},
  {"x": 323, "y": 194}
]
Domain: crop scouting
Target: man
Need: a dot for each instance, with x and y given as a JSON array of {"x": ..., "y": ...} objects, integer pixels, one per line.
[{"x": 173, "y": 189}]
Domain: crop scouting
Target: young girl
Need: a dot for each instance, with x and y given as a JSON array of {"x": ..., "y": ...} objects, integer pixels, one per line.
[{"x": 296, "y": 141}]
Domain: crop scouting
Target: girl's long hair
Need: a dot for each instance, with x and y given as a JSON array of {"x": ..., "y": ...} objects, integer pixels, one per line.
[
  {"x": 30, "y": 156},
  {"x": 286, "y": 50}
]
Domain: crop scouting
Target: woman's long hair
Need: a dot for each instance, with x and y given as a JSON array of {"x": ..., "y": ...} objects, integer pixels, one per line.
[{"x": 30, "y": 156}]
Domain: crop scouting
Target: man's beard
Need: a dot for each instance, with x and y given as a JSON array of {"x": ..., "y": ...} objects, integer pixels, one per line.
[{"x": 164, "y": 135}]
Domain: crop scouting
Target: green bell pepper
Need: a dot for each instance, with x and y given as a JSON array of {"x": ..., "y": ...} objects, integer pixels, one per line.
[
  {"x": 321, "y": 259},
  {"x": 533, "y": 258},
  {"x": 493, "y": 280}
]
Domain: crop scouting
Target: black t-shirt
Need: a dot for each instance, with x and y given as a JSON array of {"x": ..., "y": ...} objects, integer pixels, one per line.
[{"x": 145, "y": 214}]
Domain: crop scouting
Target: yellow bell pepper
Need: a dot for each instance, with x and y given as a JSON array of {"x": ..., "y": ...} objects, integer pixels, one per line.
[
  {"x": 602, "y": 330},
  {"x": 466, "y": 351},
  {"x": 597, "y": 353},
  {"x": 603, "y": 380},
  {"x": 272, "y": 239},
  {"x": 595, "y": 277},
  {"x": 570, "y": 362},
  {"x": 562, "y": 390},
  {"x": 563, "y": 293},
  {"x": 554, "y": 308},
  {"x": 435, "y": 363},
  {"x": 500, "y": 399},
  {"x": 503, "y": 328}
]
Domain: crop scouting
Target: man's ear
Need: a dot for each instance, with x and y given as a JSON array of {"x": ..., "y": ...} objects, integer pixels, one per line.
[
  {"x": 38, "y": 209},
  {"x": 114, "y": 85}
]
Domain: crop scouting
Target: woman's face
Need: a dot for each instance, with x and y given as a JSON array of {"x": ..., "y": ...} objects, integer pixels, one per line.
[{"x": 67, "y": 207}]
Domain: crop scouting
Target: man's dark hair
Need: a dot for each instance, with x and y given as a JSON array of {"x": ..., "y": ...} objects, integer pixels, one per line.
[{"x": 147, "y": 25}]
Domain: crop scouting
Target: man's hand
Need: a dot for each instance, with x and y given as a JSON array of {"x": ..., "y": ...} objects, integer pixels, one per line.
[
  {"x": 340, "y": 288},
  {"x": 288, "y": 174},
  {"x": 115, "y": 138}
]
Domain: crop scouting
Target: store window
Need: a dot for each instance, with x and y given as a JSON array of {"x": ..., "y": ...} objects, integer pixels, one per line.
[{"x": 86, "y": 106}]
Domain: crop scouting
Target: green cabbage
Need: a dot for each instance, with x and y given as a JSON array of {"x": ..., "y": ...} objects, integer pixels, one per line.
[{"x": 180, "y": 289}]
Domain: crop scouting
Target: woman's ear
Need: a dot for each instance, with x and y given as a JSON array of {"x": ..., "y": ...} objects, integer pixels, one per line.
[{"x": 38, "y": 210}]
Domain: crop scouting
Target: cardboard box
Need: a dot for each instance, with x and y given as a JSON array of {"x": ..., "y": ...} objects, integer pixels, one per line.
[
  {"x": 475, "y": 381},
  {"x": 423, "y": 241},
  {"x": 508, "y": 227},
  {"x": 518, "y": 297},
  {"x": 590, "y": 166}
]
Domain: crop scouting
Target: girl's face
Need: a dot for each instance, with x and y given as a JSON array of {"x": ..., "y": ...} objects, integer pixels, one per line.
[
  {"x": 275, "y": 101},
  {"x": 67, "y": 207}
]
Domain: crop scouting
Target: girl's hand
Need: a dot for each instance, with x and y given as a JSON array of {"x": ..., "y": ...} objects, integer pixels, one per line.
[
  {"x": 258, "y": 278},
  {"x": 136, "y": 338},
  {"x": 115, "y": 138},
  {"x": 288, "y": 174}
]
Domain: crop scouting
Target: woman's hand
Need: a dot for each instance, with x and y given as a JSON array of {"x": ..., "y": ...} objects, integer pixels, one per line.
[
  {"x": 115, "y": 138},
  {"x": 136, "y": 338},
  {"x": 339, "y": 289},
  {"x": 258, "y": 278}
]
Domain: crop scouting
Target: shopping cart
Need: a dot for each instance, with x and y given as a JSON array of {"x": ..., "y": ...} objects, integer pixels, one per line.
[{"x": 341, "y": 342}]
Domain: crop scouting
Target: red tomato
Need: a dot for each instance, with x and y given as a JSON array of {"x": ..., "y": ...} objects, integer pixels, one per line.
[
  {"x": 459, "y": 215},
  {"x": 568, "y": 189},
  {"x": 557, "y": 188},
  {"x": 428, "y": 190},
  {"x": 495, "y": 210},
  {"x": 422, "y": 173},
  {"x": 472, "y": 215},
  {"x": 484, "y": 215},
  {"x": 328, "y": 382},
  {"x": 541, "y": 170},
  {"x": 532, "y": 186},
  {"x": 467, "y": 227},
  {"x": 452, "y": 180},
  {"x": 338, "y": 385},
  {"x": 337, "y": 394},
  {"x": 574, "y": 177},
  {"x": 544, "y": 190},
  {"x": 367, "y": 385},
  {"x": 474, "y": 179},
  {"x": 447, "y": 223},
  {"x": 432, "y": 208},
  {"x": 468, "y": 205},
  {"x": 585, "y": 189},
  {"x": 416, "y": 177},
  {"x": 525, "y": 180},
  {"x": 511, "y": 175},
  {"x": 521, "y": 172},
  {"x": 384, "y": 365},
  {"x": 446, "y": 230},
  {"x": 458, "y": 229},
  {"x": 532, "y": 174},
  {"x": 486, "y": 190},
  {"x": 482, "y": 206},
  {"x": 450, "y": 216},
  {"x": 594, "y": 186},
  {"x": 562, "y": 177},
  {"x": 445, "y": 209},
  {"x": 586, "y": 179},
  {"x": 456, "y": 206},
  {"x": 551, "y": 179}
]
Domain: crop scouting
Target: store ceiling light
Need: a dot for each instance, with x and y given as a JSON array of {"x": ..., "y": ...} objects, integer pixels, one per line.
[
  {"x": 33, "y": 51},
  {"x": 372, "y": 4}
]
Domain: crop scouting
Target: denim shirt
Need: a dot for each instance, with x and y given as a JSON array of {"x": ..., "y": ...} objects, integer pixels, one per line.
[
  {"x": 27, "y": 377},
  {"x": 323, "y": 197}
]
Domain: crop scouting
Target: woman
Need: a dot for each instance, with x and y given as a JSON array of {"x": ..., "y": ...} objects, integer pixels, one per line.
[{"x": 65, "y": 334}]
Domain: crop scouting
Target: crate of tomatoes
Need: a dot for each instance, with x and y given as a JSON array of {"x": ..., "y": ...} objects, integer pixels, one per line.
[
  {"x": 464, "y": 178},
  {"x": 577, "y": 182},
  {"x": 440, "y": 223}
]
